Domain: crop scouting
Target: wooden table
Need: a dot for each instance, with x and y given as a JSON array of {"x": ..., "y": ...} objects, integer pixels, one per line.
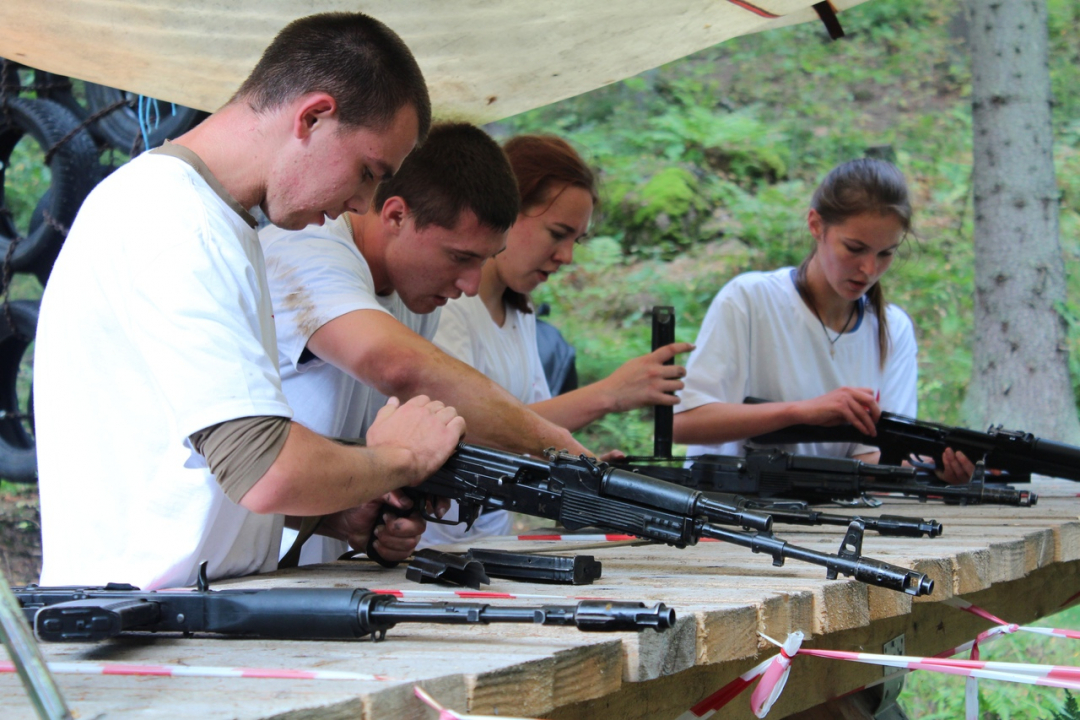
[{"x": 1018, "y": 563}]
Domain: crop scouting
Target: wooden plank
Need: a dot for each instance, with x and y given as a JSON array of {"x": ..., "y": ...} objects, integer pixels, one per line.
[
  {"x": 928, "y": 629},
  {"x": 1017, "y": 564}
]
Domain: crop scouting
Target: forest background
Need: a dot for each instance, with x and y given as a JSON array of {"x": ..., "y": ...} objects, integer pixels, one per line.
[{"x": 707, "y": 166}]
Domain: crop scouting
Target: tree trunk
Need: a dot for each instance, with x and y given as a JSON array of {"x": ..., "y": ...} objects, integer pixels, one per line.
[{"x": 1020, "y": 375}]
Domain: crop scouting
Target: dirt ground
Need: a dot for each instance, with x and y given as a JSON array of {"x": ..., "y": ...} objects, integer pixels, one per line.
[{"x": 20, "y": 535}]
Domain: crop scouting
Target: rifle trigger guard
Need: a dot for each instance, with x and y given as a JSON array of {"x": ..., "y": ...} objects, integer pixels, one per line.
[{"x": 422, "y": 503}]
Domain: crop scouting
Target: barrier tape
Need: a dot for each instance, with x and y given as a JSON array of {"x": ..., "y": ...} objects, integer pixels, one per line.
[
  {"x": 89, "y": 668},
  {"x": 446, "y": 714},
  {"x": 480, "y": 595},
  {"x": 774, "y": 671},
  {"x": 612, "y": 537}
]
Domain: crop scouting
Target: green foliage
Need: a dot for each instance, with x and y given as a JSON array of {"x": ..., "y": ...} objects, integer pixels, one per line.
[
  {"x": 25, "y": 180},
  {"x": 708, "y": 164},
  {"x": 1069, "y": 711}
]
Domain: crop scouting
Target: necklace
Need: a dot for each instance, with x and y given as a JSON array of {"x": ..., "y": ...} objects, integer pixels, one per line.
[{"x": 834, "y": 340}]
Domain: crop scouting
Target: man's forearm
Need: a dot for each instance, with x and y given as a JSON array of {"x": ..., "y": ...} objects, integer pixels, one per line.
[
  {"x": 382, "y": 353},
  {"x": 494, "y": 416},
  {"x": 316, "y": 476}
]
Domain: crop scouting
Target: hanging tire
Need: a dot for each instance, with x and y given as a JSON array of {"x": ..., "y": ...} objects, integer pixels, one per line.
[
  {"x": 74, "y": 170},
  {"x": 42, "y": 267},
  {"x": 18, "y": 455},
  {"x": 120, "y": 128},
  {"x": 59, "y": 89}
]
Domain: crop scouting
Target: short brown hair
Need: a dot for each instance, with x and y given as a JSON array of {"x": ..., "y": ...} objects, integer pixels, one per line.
[
  {"x": 352, "y": 57},
  {"x": 459, "y": 167}
]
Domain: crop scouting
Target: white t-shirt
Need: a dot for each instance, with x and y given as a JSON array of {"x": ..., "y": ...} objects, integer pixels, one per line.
[
  {"x": 509, "y": 356},
  {"x": 760, "y": 339},
  {"x": 156, "y": 323},
  {"x": 316, "y": 275}
]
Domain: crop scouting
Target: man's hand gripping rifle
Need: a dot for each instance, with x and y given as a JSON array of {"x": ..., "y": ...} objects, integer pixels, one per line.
[{"x": 581, "y": 492}]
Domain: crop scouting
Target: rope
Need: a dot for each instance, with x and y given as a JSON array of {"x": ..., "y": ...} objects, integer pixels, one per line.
[{"x": 91, "y": 119}]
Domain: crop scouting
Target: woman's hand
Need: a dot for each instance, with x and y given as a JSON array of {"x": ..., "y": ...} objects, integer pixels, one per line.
[
  {"x": 646, "y": 380},
  {"x": 843, "y": 405}
]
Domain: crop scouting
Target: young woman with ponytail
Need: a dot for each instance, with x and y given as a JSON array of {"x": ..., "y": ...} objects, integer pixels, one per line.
[{"x": 819, "y": 339}]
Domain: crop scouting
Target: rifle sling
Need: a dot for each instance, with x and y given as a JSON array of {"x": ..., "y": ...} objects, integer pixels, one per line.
[{"x": 308, "y": 526}]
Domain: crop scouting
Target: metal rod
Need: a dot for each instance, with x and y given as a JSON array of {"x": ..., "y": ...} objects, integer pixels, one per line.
[{"x": 22, "y": 647}]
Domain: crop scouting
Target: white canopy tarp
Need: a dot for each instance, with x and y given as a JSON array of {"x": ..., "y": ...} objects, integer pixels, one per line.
[{"x": 483, "y": 59}]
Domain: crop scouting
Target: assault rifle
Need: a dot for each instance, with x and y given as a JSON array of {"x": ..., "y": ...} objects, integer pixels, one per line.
[
  {"x": 765, "y": 474},
  {"x": 582, "y": 492},
  {"x": 1019, "y": 453},
  {"x": 718, "y": 475},
  {"x": 71, "y": 614}
]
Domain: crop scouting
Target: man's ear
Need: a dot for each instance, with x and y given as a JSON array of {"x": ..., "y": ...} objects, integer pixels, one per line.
[
  {"x": 311, "y": 111},
  {"x": 394, "y": 213}
]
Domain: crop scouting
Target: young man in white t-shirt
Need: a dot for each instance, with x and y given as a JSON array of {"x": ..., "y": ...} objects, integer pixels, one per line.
[
  {"x": 163, "y": 436},
  {"x": 356, "y": 325}
]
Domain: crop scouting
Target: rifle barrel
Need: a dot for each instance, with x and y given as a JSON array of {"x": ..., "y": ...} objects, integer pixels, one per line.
[{"x": 867, "y": 570}]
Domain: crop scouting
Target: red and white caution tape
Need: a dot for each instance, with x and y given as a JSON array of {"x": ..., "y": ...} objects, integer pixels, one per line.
[
  {"x": 775, "y": 676},
  {"x": 89, "y": 668},
  {"x": 579, "y": 538},
  {"x": 777, "y": 668},
  {"x": 1002, "y": 628},
  {"x": 480, "y": 595},
  {"x": 774, "y": 671},
  {"x": 445, "y": 714},
  {"x": 589, "y": 538}
]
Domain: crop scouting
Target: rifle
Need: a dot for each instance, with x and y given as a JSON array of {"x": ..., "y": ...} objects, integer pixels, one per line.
[
  {"x": 764, "y": 474},
  {"x": 73, "y": 614},
  {"x": 583, "y": 492},
  {"x": 898, "y": 437},
  {"x": 718, "y": 476}
]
